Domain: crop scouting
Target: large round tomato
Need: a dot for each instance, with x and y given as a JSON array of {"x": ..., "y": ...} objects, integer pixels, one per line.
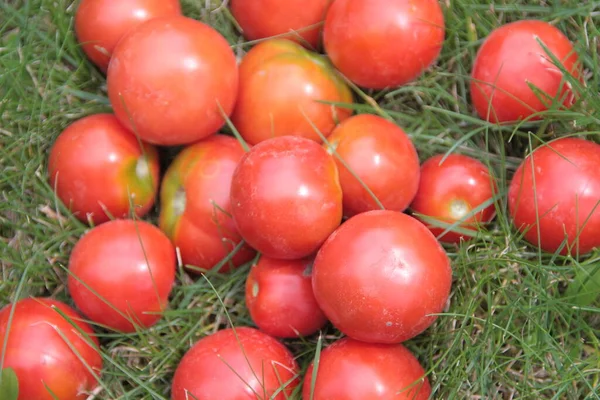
[
  {"x": 301, "y": 20},
  {"x": 352, "y": 370},
  {"x": 100, "y": 24},
  {"x": 380, "y": 276},
  {"x": 280, "y": 298},
  {"x": 554, "y": 196},
  {"x": 121, "y": 274},
  {"x": 377, "y": 154},
  {"x": 286, "y": 197},
  {"x": 511, "y": 60},
  {"x": 98, "y": 169},
  {"x": 450, "y": 190},
  {"x": 195, "y": 206},
  {"x": 172, "y": 79},
  {"x": 383, "y": 43},
  {"x": 236, "y": 364},
  {"x": 51, "y": 358},
  {"x": 290, "y": 82}
]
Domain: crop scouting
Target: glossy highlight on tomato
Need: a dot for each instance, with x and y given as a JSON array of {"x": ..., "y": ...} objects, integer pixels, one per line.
[
  {"x": 511, "y": 60},
  {"x": 99, "y": 169},
  {"x": 52, "y": 358},
  {"x": 451, "y": 190},
  {"x": 381, "y": 276},
  {"x": 554, "y": 196},
  {"x": 121, "y": 274}
]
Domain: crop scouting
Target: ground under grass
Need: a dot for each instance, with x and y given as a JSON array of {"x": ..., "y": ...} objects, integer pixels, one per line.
[{"x": 512, "y": 330}]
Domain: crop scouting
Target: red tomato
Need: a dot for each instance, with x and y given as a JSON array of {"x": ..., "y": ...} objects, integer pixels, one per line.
[
  {"x": 236, "y": 364},
  {"x": 195, "y": 204},
  {"x": 45, "y": 349},
  {"x": 286, "y": 197},
  {"x": 98, "y": 169},
  {"x": 167, "y": 78},
  {"x": 556, "y": 191},
  {"x": 353, "y": 370},
  {"x": 450, "y": 190},
  {"x": 300, "y": 19},
  {"x": 379, "y": 276},
  {"x": 383, "y": 43},
  {"x": 122, "y": 272},
  {"x": 289, "y": 81},
  {"x": 383, "y": 157},
  {"x": 510, "y": 60},
  {"x": 100, "y": 24},
  {"x": 280, "y": 298}
]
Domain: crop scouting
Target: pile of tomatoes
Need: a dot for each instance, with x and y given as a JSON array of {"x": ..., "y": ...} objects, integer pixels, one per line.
[{"x": 341, "y": 221}]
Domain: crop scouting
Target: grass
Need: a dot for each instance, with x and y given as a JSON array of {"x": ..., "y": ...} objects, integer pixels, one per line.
[{"x": 512, "y": 329}]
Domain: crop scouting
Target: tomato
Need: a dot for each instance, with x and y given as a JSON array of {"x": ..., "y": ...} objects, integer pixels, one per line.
[
  {"x": 51, "y": 358},
  {"x": 352, "y": 370},
  {"x": 172, "y": 79},
  {"x": 510, "y": 60},
  {"x": 383, "y": 43},
  {"x": 98, "y": 169},
  {"x": 121, "y": 274},
  {"x": 555, "y": 195},
  {"x": 286, "y": 197},
  {"x": 301, "y": 20},
  {"x": 195, "y": 204},
  {"x": 100, "y": 24},
  {"x": 280, "y": 298},
  {"x": 383, "y": 158},
  {"x": 450, "y": 191},
  {"x": 236, "y": 364},
  {"x": 290, "y": 82},
  {"x": 380, "y": 275}
]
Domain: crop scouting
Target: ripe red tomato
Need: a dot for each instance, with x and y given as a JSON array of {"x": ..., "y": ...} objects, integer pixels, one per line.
[
  {"x": 352, "y": 370},
  {"x": 450, "y": 190},
  {"x": 236, "y": 364},
  {"x": 383, "y": 157},
  {"x": 280, "y": 298},
  {"x": 289, "y": 81},
  {"x": 301, "y": 19},
  {"x": 195, "y": 206},
  {"x": 100, "y": 24},
  {"x": 286, "y": 197},
  {"x": 383, "y": 43},
  {"x": 122, "y": 272},
  {"x": 45, "y": 349},
  {"x": 556, "y": 191},
  {"x": 98, "y": 169},
  {"x": 167, "y": 78},
  {"x": 510, "y": 60},
  {"x": 379, "y": 276}
]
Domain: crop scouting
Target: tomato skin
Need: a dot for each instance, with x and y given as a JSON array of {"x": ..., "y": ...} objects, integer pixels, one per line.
[
  {"x": 202, "y": 229},
  {"x": 509, "y": 60},
  {"x": 392, "y": 271},
  {"x": 260, "y": 19},
  {"x": 451, "y": 190},
  {"x": 375, "y": 149},
  {"x": 96, "y": 164},
  {"x": 172, "y": 73},
  {"x": 352, "y": 370},
  {"x": 383, "y": 43},
  {"x": 38, "y": 353},
  {"x": 289, "y": 80},
  {"x": 280, "y": 298},
  {"x": 286, "y": 197},
  {"x": 262, "y": 365},
  {"x": 561, "y": 180},
  {"x": 111, "y": 261},
  {"x": 100, "y": 24}
]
